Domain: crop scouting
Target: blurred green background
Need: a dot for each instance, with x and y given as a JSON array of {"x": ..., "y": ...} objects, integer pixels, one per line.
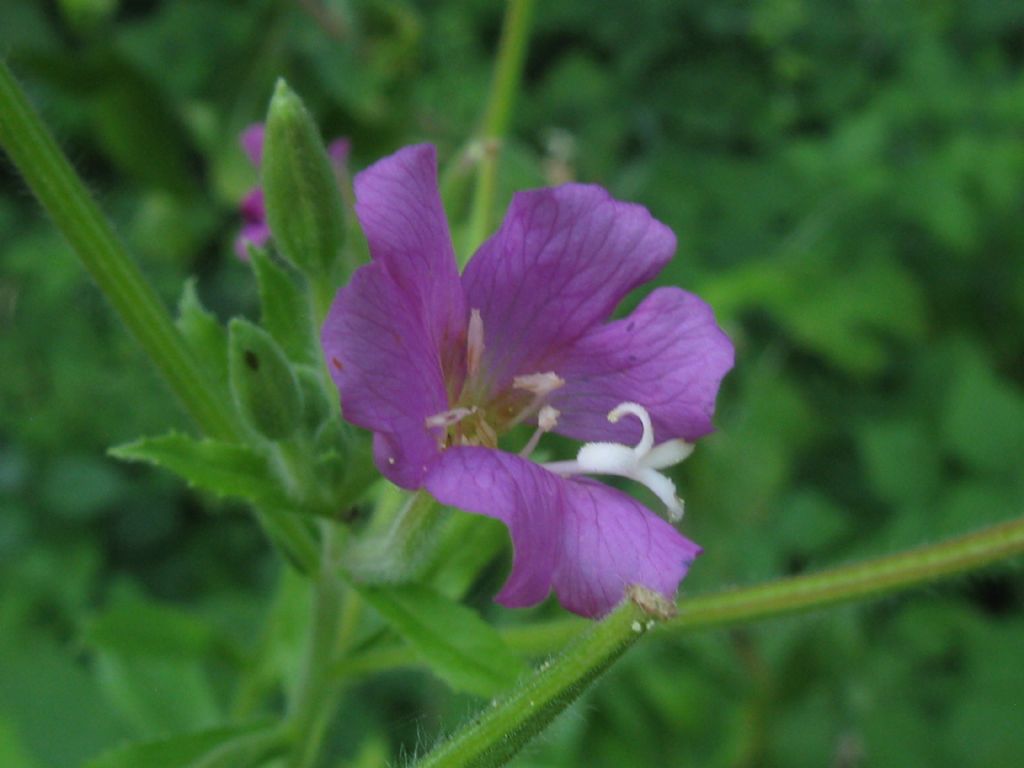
[{"x": 847, "y": 183}]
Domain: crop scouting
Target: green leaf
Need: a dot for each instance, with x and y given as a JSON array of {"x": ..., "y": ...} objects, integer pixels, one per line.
[
  {"x": 157, "y": 695},
  {"x": 13, "y": 753},
  {"x": 303, "y": 199},
  {"x": 177, "y": 751},
  {"x": 203, "y": 333},
  {"x": 263, "y": 385},
  {"x": 460, "y": 647},
  {"x": 145, "y": 628},
  {"x": 223, "y": 469},
  {"x": 284, "y": 309}
]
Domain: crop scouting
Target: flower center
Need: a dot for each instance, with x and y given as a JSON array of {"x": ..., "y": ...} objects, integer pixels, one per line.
[{"x": 639, "y": 463}]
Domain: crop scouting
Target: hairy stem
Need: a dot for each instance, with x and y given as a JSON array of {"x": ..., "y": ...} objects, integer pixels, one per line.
[
  {"x": 496, "y": 735},
  {"x": 315, "y": 693},
  {"x": 65, "y": 198}
]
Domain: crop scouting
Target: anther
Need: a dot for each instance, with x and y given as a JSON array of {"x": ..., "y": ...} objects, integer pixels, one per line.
[
  {"x": 446, "y": 419},
  {"x": 547, "y": 420}
]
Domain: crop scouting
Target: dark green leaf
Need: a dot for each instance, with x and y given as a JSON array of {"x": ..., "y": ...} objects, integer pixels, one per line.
[
  {"x": 460, "y": 647},
  {"x": 224, "y": 469},
  {"x": 178, "y": 751}
]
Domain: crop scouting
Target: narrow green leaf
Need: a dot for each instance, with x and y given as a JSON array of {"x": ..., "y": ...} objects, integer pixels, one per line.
[
  {"x": 460, "y": 647},
  {"x": 177, "y": 751},
  {"x": 224, "y": 469},
  {"x": 203, "y": 333},
  {"x": 284, "y": 309}
]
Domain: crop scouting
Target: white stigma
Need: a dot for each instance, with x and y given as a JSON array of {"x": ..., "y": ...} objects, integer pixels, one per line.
[{"x": 640, "y": 462}]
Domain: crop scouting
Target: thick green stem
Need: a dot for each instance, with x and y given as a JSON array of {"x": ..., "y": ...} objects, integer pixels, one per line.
[
  {"x": 508, "y": 72},
  {"x": 501, "y": 731},
  {"x": 66, "y": 199},
  {"x": 857, "y": 581},
  {"x": 315, "y": 693}
]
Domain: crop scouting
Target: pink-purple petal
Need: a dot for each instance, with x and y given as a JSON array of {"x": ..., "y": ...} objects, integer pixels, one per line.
[
  {"x": 399, "y": 206},
  {"x": 560, "y": 263},
  {"x": 587, "y": 541},
  {"x": 252, "y": 143},
  {"x": 388, "y": 371},
  {"x": 668, "y": 355},
  {"x": 610, "y": 542}
]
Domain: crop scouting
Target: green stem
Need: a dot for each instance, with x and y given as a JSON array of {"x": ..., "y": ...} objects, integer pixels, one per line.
[
  {"x": 314, "y": 695},
  {"x": 515, "y": 34},
  {"x": 68, "y": 202},
  {"x": 500, "y": 732},
  {"x": 871, "y": 578},
  {"x": 65, "y": 198}
]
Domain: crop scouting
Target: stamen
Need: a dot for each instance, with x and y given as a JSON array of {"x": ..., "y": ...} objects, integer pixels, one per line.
[
  {"x": 446, "y": 419},
  {"x": 547, "y": 420},
  {"x": 474, "y": 342},
  {"x": 541, "y": 385}
]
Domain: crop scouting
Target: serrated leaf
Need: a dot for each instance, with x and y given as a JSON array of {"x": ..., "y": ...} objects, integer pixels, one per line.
[
  {"x": 284, "y": 309},
  {"x": 203, "y": 332},
  {"x": 176, "y": 751},
  {"x": 224, "y": 469},
  {"x": 459, "y": 646}
]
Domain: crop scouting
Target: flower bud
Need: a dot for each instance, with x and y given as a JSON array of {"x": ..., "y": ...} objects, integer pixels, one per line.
[
  {"x": 263, "y": 385},
  {"x": 302, "y": 197}
]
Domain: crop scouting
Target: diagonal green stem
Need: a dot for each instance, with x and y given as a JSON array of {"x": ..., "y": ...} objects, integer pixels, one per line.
[
  {"x": 500, "y": 732},
  {"x": 515, "y": 34},
  {"x": 64, "y": 196},
  {"x": 67, "y": 201},
  {"x": 857, "y": 581}
]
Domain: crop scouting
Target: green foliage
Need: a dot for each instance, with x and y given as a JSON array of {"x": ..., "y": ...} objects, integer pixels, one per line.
[
  {"x": 223, "y": 469},
  {"x": 456, "y": 643},
  {"x": 845, "y": 180}
]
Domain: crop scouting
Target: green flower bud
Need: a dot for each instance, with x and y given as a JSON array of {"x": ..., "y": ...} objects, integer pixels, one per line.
[
  {"x": 263, "y": 385},
  {"x": 303, "y": 201}
]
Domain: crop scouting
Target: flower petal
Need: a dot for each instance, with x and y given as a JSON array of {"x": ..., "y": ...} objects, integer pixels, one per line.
[
  {"x": 525, "y": 497},
  {"x": 561, "y": 261},
  {"x": 610, "y": 541},
  {"x": 388, "y": 371},
  {"x": 252, "y": 143},
  {"x": 588, "y": 541},
  {"x": 669, "y": 356},
  {"x": 399, "y": 207}
]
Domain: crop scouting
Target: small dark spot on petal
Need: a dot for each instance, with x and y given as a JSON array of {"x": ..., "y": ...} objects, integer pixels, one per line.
[
  {"x": 337, "y": 364},
  {"x": 630, "y": 326},
  {"x": 632, "y": 358},
  {"x": 252, "y": 360}
]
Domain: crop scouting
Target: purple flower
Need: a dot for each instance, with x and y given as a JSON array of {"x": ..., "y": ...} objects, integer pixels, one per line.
[
  {"x": 439, "y": 366},
  {"x": 255, "y": 230}
]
